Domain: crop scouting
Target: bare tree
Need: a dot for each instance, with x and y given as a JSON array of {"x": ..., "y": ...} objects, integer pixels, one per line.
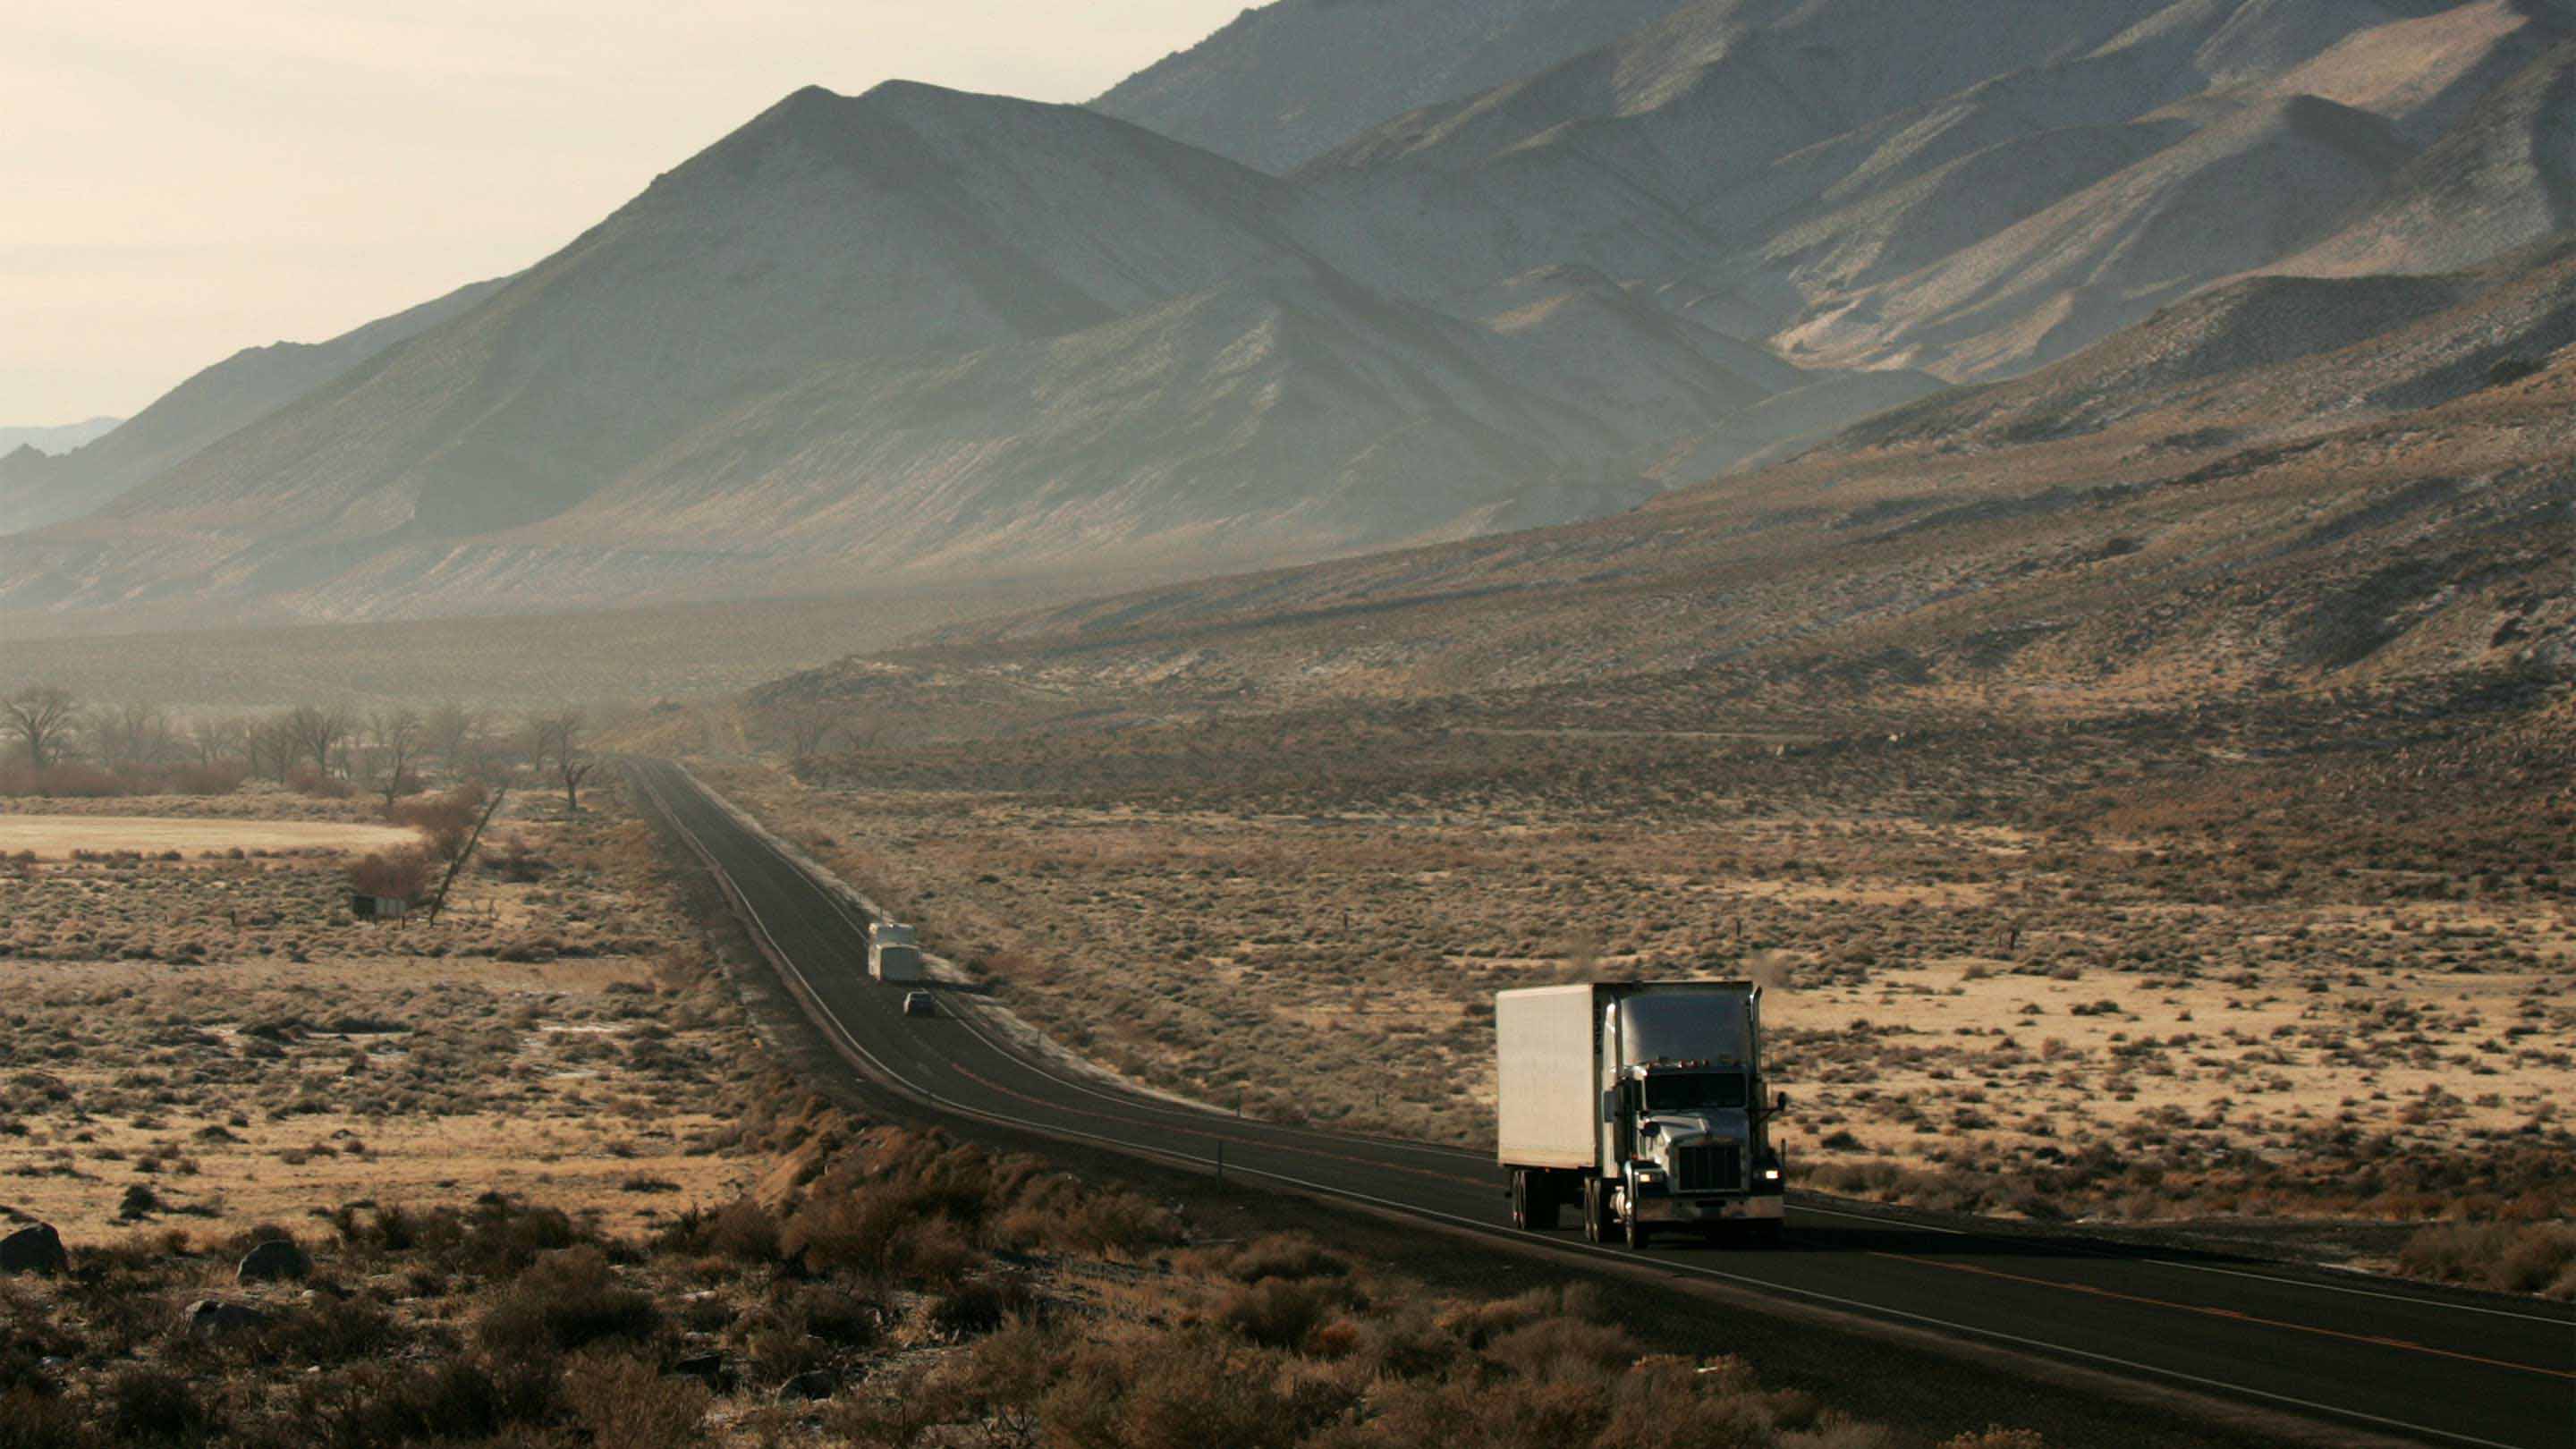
[
  {"x": 216, "y": 740},
  {"x": 272, "y": 749},
  {"x": 317, "y": 732},
  {"x": 393, "y": 744},
  {"x": 558, "y": 738},
  {"x": 134, "y": 735},
  {"x": 41, "y": 719},
  {"x": 454, "y": 734}
]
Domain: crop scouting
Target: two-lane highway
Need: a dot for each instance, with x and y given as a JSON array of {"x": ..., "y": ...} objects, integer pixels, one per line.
[{"x": 2405, "y": 1362}]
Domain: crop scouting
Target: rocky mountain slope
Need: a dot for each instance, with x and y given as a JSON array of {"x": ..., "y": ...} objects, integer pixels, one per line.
[
  {"x": 217, "y": 401},
  {"x": 919, "y": 331},
  {"x": 1978, "y": 189},
  {"x": 920, "y": 335},
  {"x": 1286, "y": 81},
  {"x": 2225, "y": 529}
]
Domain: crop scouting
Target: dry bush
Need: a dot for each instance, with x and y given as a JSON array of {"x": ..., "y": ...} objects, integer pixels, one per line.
[
  {"x": 447, "y": 819},
  {"x": 312, "y": 782},
  {"x": 1291, "y": 1256},
  {"x": 401, "y": 874},
  {"x": 148, "y": 1404},
  {"x": 1176, "y": 1391},
  {"x": 69, "y": 781},
  {"x": 1278, "y": 1313},
  {"x": 206, "y": 780},
  {"x": 628, "y": 1404},
  {"x": 2508, "y": 1257},
  {"x": 566, "y": 1300}
]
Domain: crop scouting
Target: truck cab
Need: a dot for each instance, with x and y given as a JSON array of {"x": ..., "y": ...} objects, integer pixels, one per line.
[{"x": 1691, "y": 1146}]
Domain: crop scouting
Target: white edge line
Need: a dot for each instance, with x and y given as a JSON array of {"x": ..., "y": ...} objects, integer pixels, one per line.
[{"x": 1585, "y": 1249}]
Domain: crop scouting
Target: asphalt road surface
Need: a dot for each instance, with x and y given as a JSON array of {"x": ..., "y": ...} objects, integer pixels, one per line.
[{"x": 2423, "y": 1364}]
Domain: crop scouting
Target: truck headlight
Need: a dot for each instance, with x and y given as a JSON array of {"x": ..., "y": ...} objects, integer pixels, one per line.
[{"x": 1770, "y": 1174}]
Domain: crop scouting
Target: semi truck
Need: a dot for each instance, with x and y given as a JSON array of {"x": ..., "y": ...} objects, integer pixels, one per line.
[
  {"x": 1641, "y": 1105},
  {"x": 894, "y": 952}
]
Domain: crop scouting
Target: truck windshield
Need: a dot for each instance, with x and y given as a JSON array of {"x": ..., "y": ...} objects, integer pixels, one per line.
[{"x": 1682, "y": 1091}]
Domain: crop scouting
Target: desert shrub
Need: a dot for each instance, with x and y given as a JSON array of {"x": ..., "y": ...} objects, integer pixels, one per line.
[
  {"x": 1181, "y": 1391},
  {"x": 1291, "y": 1256},
  {"x": 1562, "y": 1348},
  {"x": 447, "y": 819},
  {"x": 2508, "y": 1257},
  {"x": 627, "y": 1404},
  {"x": 309, "y": 781},
  {"x": 206, "y": 779},
  {"x": 69, "y": 781},
  {"x": 331, "y": 1331},
  {"x": 153, "y": 1405},
  {"x": 1059, "y": 1213},
  {"x": 366, "y": 1405},
  {"x": 1278, "y": 1313},
  {"x": 980, "y": 1305},
  {"x": 30, "y": 1420},
  {"x": 403, "y": 874},
  {"x": 743, "y": 1231},
  {"x": 565, "y": 1301},
  {"x": 513, "y": 861}
]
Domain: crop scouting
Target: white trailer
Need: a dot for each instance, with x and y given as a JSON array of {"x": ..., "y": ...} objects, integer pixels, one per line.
[
  {"x": 894, "y": 953},
  {"x": 1642, "y": 1104}
]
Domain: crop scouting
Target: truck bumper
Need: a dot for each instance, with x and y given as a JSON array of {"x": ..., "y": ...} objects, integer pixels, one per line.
[{"x": 1710, "y": 1208}]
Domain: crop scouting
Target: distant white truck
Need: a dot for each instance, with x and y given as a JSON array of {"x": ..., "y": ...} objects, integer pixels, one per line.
[
  {"x": 1639, "y": 1104},
  {"x": 894, "y": 953}
]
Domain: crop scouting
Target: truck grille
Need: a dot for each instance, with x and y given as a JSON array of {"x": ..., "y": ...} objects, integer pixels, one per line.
[{"x": 1708, "y": 1167}]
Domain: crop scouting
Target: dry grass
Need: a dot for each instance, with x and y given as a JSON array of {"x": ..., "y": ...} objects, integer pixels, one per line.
[{"x": 58, "y": 836}]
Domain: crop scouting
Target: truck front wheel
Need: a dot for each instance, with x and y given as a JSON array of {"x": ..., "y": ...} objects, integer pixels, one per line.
[{"x": 1638, "y": 1234}]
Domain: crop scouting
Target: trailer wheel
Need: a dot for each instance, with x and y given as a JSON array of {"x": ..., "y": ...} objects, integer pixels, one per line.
[{"x": 1520, "y": 1199}]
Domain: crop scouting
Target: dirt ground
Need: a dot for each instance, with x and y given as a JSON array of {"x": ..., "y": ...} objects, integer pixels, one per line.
[
  {"x": 215, "y": 1043},
  {"x": 56, "y": 837}
]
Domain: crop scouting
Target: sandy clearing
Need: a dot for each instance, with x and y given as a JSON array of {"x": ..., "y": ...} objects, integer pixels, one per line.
[{"x": 57, "y": 836}]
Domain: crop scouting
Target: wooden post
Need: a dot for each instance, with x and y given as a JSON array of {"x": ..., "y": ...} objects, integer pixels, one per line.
[{"x": 439, "y": 902}]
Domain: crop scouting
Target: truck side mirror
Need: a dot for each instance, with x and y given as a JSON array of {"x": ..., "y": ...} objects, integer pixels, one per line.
[
  {"x": 1610, "y": 1104},
  {"x": 1780, "y": 1104}
]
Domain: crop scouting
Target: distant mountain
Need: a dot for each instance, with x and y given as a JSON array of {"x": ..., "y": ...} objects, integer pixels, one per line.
[
  {"x": 924, "y": 335},
  {"x": 917, "y": 333},
  {"x": 55, "y": 440},
  {"x": 216, "y": 401},
  {"x": 1287, "y": 81}
]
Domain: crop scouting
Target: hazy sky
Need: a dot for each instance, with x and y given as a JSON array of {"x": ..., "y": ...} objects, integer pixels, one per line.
[{"x": 185, "y": 179}]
